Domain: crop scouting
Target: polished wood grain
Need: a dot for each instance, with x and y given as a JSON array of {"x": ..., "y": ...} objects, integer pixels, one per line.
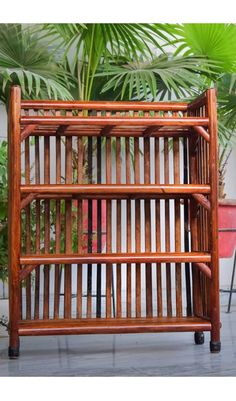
[
  {"x": 163, "y": 257},
  {"x": 107, "y": 326},
  {"x": 127, "y": 156},
  {"x": 213, "y": 235},
  {"x": 100, "y": 121},
  {"x": 121, "y": 189}
]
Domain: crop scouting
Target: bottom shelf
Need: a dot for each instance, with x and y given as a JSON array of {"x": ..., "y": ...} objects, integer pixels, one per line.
[{"x": 113, "y": 325}]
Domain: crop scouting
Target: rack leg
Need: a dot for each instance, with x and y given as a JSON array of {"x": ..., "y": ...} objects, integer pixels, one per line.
[
  {"x": 14, "y": 347},
  {"x": 199, "y": 337},
  {"x": 215, "y": 346}
]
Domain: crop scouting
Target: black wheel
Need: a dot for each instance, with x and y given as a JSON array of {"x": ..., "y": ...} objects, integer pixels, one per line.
[
  {"x": 199, "y": 337},
  {"x": 215, "y": 346}
]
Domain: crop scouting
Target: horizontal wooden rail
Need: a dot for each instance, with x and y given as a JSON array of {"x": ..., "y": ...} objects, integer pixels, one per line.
[
  {"x": 163, "y": 257},
  {"x": 108, "y": 326},
  {"x": 119, "y": 131},
  {"x": 135, "y": 121},
  {"x": 103, "y": 105},
  {"x": 116, "y": 189}
]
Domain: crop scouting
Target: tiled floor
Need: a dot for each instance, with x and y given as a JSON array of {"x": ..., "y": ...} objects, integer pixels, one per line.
[{"x": 172, "y": 354}]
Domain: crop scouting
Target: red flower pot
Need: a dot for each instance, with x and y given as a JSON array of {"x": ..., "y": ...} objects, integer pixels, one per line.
[{"x": 227, "y": 221}]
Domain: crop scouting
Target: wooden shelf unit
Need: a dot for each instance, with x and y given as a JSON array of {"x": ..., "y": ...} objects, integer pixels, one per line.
[{"x": 113, "y": 201}]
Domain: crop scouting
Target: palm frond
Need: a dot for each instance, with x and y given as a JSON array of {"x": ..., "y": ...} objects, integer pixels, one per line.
[
  {"x": 213, "y": 41},
  {"x": 126, "y": 39},
  {"x": 227, "y": 99},
  {"x": 27, "y": 62},
  {"x": 163, "y": 77}
]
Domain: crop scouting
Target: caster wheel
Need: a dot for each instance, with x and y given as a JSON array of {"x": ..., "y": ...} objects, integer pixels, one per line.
[
  {"x": 215, "y": 346},
  {"x": 199, "y": 337}
]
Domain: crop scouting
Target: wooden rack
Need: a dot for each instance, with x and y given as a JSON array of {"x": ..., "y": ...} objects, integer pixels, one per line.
[{"x": 122, "y": 192}]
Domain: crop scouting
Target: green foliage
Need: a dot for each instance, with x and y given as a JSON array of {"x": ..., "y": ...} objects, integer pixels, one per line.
[
  {"x": 214, "y": 41},
  {"x": 87, "y": 46},
  {"x": 163, "y": 77},
  {"x": 26, "y": 60}
]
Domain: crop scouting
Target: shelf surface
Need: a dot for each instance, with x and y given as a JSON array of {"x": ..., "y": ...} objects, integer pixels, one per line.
[
  {"x": 163, "y": 257},
  {"x": 112, "y": 190},
  {"x": 112, "y": 325},
  {"x": 114, "y": 121}
]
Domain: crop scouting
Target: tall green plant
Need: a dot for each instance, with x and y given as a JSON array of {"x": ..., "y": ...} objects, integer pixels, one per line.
[{"x": 88, "y": 46}]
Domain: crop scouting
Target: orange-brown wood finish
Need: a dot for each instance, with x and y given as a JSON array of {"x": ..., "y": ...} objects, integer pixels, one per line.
[{"x": 118, "y": 202}]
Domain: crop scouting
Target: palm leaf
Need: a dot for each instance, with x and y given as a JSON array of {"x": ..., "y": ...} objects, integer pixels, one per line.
[
  {"x": 162, "y": 77},
  {"x": 213, "y": 41},
  {"x": 26, "y": 61}
]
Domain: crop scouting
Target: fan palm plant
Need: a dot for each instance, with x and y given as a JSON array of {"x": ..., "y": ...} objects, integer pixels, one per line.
[
  {"x": 26, "y": 60},
  {"x": 88, "y": 46}
]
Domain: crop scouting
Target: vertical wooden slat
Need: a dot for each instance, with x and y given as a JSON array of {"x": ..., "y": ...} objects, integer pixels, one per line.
[
  {"x": 46, "y": 228},
  {"x": 68, "y": 228},
  {"x": 99, "y": 228},
  {"x": 148, "y": 228},
  {"x": 90, "y": 228},
  {"x": 79, "y": 225},
  {"x": 158, "y": 231},
  {"x": 108, "y": 229},
  {"x": 57, "y": 278},
  {"x": 137, "y": 227},
  {"x": 167, "y": 229},
  {"x": 186, "y": 230},
  {"x": 177, "y": 230},
  {"x": 28, "y": 228},
  {"x": 118, "y": 230},
  {"x": 37, "y": 222},
  {"x": 197, "y": 307},
  {"x": 14, "y": 231},
  {"x": 128, "y": 238}
]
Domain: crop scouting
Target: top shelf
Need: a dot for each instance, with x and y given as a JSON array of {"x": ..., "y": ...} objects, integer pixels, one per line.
[{"x": 114, "y": 121}]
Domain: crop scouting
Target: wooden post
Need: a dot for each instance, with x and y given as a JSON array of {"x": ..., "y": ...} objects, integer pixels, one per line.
[
  {"x": 215, "y": 344},
  {"x": 14, "y": 180}
]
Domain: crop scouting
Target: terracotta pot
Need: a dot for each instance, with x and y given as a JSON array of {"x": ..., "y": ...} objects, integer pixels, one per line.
[
  {"x": 94, "y": 225},
  {"x": 227, "y": 221}
]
